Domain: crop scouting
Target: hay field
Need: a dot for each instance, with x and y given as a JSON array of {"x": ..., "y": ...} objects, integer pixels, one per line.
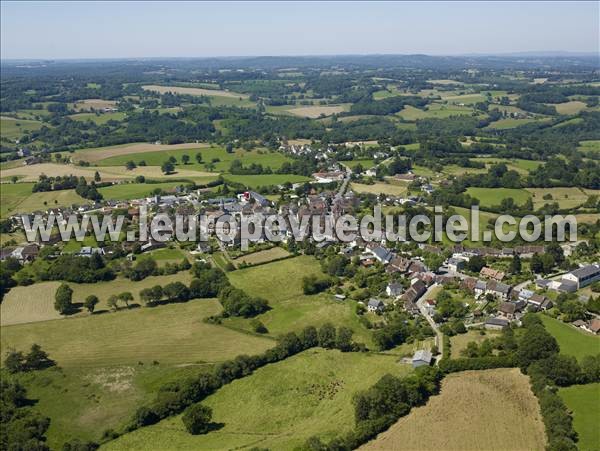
[
  {"x": 475, "y": 410},
  {"x": 96, "y": 104},
  {"x": 565, "y": 197},
  {"x": 379, "y": 188},
  {"x": 100, "y": 153},
  {"x": 316, "y": 111},
  {"x": 32, "y": 173},
  {"x": 278, "y": 407},
  {"x": 170, "y": 334},
  {"x": 193, "y": 91},
  {"x": 18, "y": 198},
  {"x": 572, "y": 107},
  {"x": 263, "y": 256}
]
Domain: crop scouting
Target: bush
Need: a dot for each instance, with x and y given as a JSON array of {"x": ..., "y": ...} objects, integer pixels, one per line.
[
  {"x": 314, "y": 284},
  {"x": 258, "y": 326}
]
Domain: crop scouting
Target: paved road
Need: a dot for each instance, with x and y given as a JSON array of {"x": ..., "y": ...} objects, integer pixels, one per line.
[{"x": 421, "y": 305}]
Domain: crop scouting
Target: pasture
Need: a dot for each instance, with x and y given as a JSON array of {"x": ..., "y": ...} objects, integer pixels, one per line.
[
  {"x": 515, "y": 164},
  {"x": 36, "y": 302},
  {"x": 460, "y": 417},
  {"x": 489, "y": 197},
  {"x": 169, "y": 334},
  {"x": 99, "y": 119},
  {"x": 572, "y": 341},
  {"x": 222, "y": 159},
  {"x": 254, "y": 181},
  {"x": 127, "y": 191},
  {"x": 279, "y": 406},
  {"x": 379, "y": 188},
  {"x": 193, "y": 91},
  {"x": 32, "y": 173},
  {"x": 93, "y": 104},
  {"x": 434, "y": 110},
  {"x": 564, "y": 197},
  {"x": 590, "y": 145},
  {"x": 584, "y": 402},
  {"x": 503, "y": 124},
  {"x": 280, "y": 283},
  {"x": 12, "y": 128},
  {"x": 18, "y": 198}
]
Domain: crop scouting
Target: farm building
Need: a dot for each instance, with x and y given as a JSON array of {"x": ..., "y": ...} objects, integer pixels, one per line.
[
  {"x": 421, "y": 357},
  {"x": 583, "y": 277}
]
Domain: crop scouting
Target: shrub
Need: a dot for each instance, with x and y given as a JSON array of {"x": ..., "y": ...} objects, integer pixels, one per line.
[{"x": 197, "y": 419}]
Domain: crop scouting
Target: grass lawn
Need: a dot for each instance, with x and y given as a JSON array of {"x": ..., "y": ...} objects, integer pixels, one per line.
[
  {"x": 126, "y": 191},
  {"x": 460, "y": 341},
  {"x": 254, "y": 181},
  {"x": 489, "y": 197},
  {"x": 572, "y": 341},
  {"x": 584, "y": 402},
  {"x": 281, "y": 284},
  {"x": 279, "y": 406},
  {"x": 171, "y": 334},
  {"x": 462, "y": 415}
]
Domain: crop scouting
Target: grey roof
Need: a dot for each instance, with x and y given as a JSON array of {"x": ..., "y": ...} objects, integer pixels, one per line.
[
  {"x": 382, "y": 253},
  {"x": 586, "y": 271},
  {"x": 480, "y": 285},
  {"x": 422, "y": 355},
  {"x": 377, "y": 303},
  {"x": 497, "y": 322}
]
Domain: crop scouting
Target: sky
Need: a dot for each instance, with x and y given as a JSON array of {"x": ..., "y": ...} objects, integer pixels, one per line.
[{"x": 56, "y": 30}]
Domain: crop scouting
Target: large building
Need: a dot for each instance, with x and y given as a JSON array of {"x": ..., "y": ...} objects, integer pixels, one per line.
[{"x": 584, "y": 276}]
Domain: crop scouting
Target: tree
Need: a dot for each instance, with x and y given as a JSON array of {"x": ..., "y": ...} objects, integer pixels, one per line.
[
  {"x": 90, "y": 303},
  {"x": 14, "y": 361},
  {"x": 63, "y": 299},
  {"x": 130, "y": 165},
  {"x": 97, "y": 177},
  {"x": 113, "y": 302},
  {"x": 475, "y": 263},
  {"x": 198, "y": 157},
  {"x": 185, "y": 159},
  {"x": 167, "y": 167},
  {"x": 327, "y": 337},
  {"x": 343, "y": 341},
  {"x": 590, "y": 367},
  {"x": 197, "y": 418},
  {"x": 515, "y": 264},
  {"x": 535, "y": 344},
  {"x": 126, "y": 297},
  {"x": 37, "y": 359},
  {"x": 229, "y": 148},
  {"x": 176, "y": 291}
]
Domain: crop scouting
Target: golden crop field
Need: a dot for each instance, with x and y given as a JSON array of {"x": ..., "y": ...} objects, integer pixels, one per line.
[
  {"x": 101, "y": 153},
  {"x": 475, "y": 410}
]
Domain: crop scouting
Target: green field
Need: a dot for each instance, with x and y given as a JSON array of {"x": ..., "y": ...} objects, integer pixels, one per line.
[
  {"x": 516, "y": 164},
  {"x": 489, "y": 197},
  {"x": 571, "y": 340},
  {"x": 99, "y": 119},
  {"x": 274, "y": 160},
  {"x": 588, "y": 146},
  {"x": 503, "y": 124},
  {"x": 170, "y": 334},
  {"x": 279, "y": 406},
  {"x": 18, "y": 198},
  {"x": 366, "y": 164},
  {"x": 12, "y": 128},
  {"x": 584, "y": 402},
  {"x": 434, "y": 110},
  {"x": 281, "y": 284},
  {"x": 127, "y": 191},
  {"x": 254, "y": 181}
]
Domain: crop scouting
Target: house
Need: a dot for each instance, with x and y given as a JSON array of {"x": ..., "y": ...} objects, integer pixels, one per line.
[
  {"x": 455, "y": 264},
  {"x": 496, "y": 323},
  {"x": 539, "y": 302},
  {"x": 88, "y": 251},
  {"x": 498, "y": 289},
  {"x": 394, "y": 289},
  {"x": 595, "y": 326},
  {"x": 479, "y": 289},
  {"x": 421, "y": 357},
  {"x": 26, "y": 253},
  {"x": 382, "y": 254},
  {"x": 584, "y": 276},
  {"x": 491, "y": 273},
  {"x": 151, "y": 245},
  {"x": 375, "y": 305},
  {"x": 507, "y": 310}
]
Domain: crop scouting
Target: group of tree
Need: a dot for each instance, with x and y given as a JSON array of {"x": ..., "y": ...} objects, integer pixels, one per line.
[{"x": 35, "y": 359}]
